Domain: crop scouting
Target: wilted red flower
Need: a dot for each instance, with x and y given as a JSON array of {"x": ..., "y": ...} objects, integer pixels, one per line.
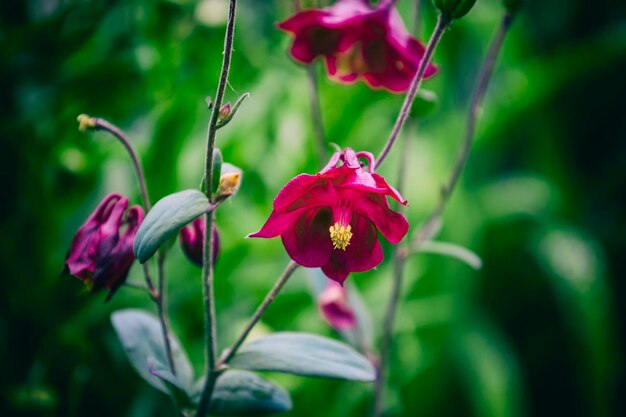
[
  {"x": 358, "y": 40},
  {"x": 331, "y": 220},
  {"x": 101, "y": 253},
  {"x": 333, "y": 304},
  {"x": 192, "y": 240}
]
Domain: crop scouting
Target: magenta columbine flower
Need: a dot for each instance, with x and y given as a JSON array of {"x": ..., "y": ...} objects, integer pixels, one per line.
[
  {"x": 192, "y": 240},
  {"x": 101, "y": 253},
  {"x": 331, "y": 220},
  {"x": 358, "y": 41},
  {"x": 333, "y": 304}
]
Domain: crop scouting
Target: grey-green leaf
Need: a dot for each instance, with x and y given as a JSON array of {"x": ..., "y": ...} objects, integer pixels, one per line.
[
  {"x": 304, "y": 354},
  {"x": 241, "y": 392},
  {"x": 140, "y": 335},
  {"x": 452, "y": 250},
  {"x": 167, "y": 216},
  {"x": 176, "y": 389}
]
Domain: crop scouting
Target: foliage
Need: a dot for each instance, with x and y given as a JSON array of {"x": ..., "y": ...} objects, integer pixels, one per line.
[{"x": 534, "y": 332}]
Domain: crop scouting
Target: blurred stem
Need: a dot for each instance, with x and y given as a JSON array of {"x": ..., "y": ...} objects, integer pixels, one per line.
[
  {"x": 399, "y": 256},
  {"x": 269, "y": 298},
  {"x": 442, "y": 24},
  {"x": 101, "y": 124},
  {"x": 316, "y": 113},
  {"x": 207, "y": 268},
  {"x": 162, "y": 309},
  {"x": 157, "y": 296},
  {"x": 482, "y": 82}
]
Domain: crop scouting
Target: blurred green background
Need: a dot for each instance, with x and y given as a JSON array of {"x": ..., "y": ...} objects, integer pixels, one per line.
[{"x": 539, "y": 331}]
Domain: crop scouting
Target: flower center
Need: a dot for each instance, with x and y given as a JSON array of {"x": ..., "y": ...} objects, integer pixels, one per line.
[
  {"x": 352, "y": 61},
  {"x": 340, "y": 235}
]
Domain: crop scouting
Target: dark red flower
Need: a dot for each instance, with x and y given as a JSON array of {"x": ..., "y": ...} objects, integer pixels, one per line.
[
  {"x": 192, "y": 240},
  {"x": 358, "y": 40},
  {"x": 101, "y": 253},
  {"x": 331, "y": 220},
  {"x": 334, "y": 306}
]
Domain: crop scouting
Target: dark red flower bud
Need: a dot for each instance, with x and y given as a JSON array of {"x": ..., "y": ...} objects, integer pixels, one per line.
[
  {"x": 454, "y": 9},
  {"x": 192, "y": 239},
  {"x": 335, "y": 308},
  {"x": 101, "y": 253}
]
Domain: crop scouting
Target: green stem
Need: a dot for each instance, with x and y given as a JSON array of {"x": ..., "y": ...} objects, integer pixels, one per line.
[
  {"x": 316, "y": 114},
  {"x": 480, "y": 88},
  {"x": 442, "y": 24},
  {"x": 269, "y": 298},
  {"x": 207, "y": 269},
  {"x": 101, "y": 124},
  {"x": 399, "y": 256}
]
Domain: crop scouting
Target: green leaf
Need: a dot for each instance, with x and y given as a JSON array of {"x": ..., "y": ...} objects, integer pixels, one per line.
[
  {"x": 452, "y": 250},
  {"x": 304, "y": 354},
  {"x": 176, "y": 389},
  {"x": 140, "y": 335},
  {"x": 241, "y": 392},
  {"x": 217, "y": 169},
  {"x": 166, "y": 218}
]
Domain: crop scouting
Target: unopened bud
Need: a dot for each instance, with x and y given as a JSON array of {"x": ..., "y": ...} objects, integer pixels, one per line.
[
  {"x": 454, "y": 9},
  {"x": 85, "y": 122},
  {"x": 224, "y": 112},
  {"x": 335, "y": 309},
  {"x": 192, "y": 241},
  {"x": 230, "y": 181},
  {"x": 513, "y": 6}
]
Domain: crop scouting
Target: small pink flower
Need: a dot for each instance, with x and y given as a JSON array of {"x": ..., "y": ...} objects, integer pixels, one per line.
[
  {"x": 192, "y": 240},
  {"x": 358, "y": 41},
  {"x": 333, "y": 304},
  {"x": 331, "y": 220},
  {"x": 101, "y": 253}
]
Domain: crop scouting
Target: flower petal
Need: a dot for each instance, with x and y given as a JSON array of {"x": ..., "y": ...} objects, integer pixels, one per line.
[
  {"x": 308, "y": 241},
  {"x": 277, "y": 223},
  {"x": 392, "y": 225},
  {"x": 362, "y": 254},
  {"x": 303, "y": 191}
]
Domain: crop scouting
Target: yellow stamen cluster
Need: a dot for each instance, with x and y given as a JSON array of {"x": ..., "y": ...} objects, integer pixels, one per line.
[{"x": 340, "y": 235}]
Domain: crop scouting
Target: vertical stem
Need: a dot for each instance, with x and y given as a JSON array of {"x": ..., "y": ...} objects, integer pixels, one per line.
[
  {"x": 207, "y": 268},
  {"x": 269, "y": 298},
  {"x": 442, "y": 24},
  {"x": 482, "y": 82},
  {"x": 163, "y": 318},
  {"x": 316, "y": 113},
  {"x": 392, "y": 306}
]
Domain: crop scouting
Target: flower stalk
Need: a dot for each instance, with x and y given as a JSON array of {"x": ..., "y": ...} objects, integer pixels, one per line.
[
  {"x": 269, "y": 299},
  {"x": 156, "y": 294},
  {"x": 442, "y": 24},
  {"x": 482, "y": 82},
  {"x": 207, "y": 268}
]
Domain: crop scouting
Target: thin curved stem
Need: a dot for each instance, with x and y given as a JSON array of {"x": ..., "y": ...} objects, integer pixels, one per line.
[
  {"x": 269, "y": 299},
  {"x": 207, "y": 268},
  {"x": 482, "y": 82},
  {"x": 101, "y": 124},
  {"x": 157, "y": 295},
  {"x": 442, "y": 24}
]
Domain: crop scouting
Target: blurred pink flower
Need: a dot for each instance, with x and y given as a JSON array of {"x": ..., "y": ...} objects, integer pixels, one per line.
[
  {"x": 358, "y": 41},
  {"x": 333, "y": 304},
  {"x": 192, "y": 240},
  {"x": 331, "y": 220},
  {"x": 101, "y": 253}
]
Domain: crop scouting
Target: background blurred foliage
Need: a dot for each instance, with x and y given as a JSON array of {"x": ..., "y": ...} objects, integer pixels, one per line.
[{"x": 538, "y": 331}]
